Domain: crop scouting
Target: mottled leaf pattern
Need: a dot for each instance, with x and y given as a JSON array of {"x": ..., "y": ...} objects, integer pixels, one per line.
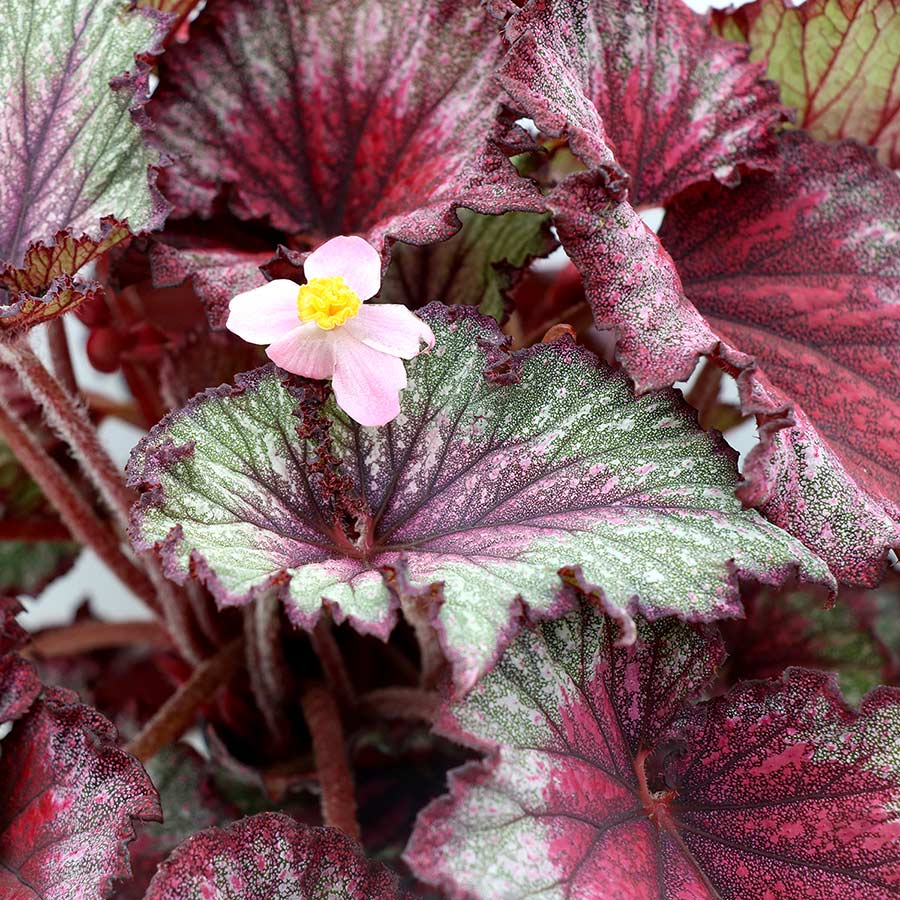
[
  {"x": 802, "y": 270},
  {"x": 77, "y": 175},
  {"x": 271, "y": 857},
  {"x": 603, "y": 782},
  {"x": 485, "y": 487},
  {"x": 836, "y": 62},
  {"x": 630, "y": 282},
  {"x": 336, "y": 118},
  {"x": 68, "y": 796},
  {"x": 647, "y": 81}
]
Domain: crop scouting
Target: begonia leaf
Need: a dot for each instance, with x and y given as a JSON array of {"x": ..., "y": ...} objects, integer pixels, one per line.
[
  {"x": 271, "y": 857},
  {"x": 603, "y": 780},
  {"x": 68, "y": 798},
  {"x": 499, "y": 472},
  {"x": 27, "y": 567},
  {"x": 476, "y": 267},
  {"x": 12, "y": 634},
  {"x": 19, "y": 684},
  {"x": 836, "y": 62},
  {"x": 78, "y": 176},
  {"x": 796, "y": 629},
  {"x": 647, "y": 81},
  {"x": 323, "y": 119},
  {"x": 190, "y": 802},
  {"x": 630, "y": 282},
  {"x": 802, "y": 270}
]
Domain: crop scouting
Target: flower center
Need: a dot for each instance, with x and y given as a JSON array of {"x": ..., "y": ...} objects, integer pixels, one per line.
[{"x": 328, "y": 301}]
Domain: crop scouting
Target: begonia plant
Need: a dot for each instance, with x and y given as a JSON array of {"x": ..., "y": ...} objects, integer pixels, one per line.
[{"x": 480, "y": 536}]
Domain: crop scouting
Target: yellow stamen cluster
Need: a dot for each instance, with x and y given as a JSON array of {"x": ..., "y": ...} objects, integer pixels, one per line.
[{"x": 328, "y": 301}]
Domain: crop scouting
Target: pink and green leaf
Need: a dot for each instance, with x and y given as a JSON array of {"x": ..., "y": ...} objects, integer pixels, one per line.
[
  {"x": 783, "y": 629},
  {"x": 78, "y": 176},
  {"x": 645, "y": 83},
  {"x": 501, "y": 473},
  {"x": 604, "y": 780},
  {"x": 836, "y": 61},
  {"x": 267, "y": 856},
  {"x": 327, "y": 119}
]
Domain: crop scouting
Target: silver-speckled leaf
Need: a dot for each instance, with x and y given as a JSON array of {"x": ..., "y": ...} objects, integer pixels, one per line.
[{"x": 500, "y": 473}]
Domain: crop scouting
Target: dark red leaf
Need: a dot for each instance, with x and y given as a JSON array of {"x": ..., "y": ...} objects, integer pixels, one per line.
[
  {"x": 802, "y": 270},
  {"x": 68, "y": 798},
  {"x": 215, "y": 274},
  {"x": 19, "y": 687},
  {"x": 646, "y": 82},
  {"x": 267, "y": 856},
  {"x": 370, "y": 117}
]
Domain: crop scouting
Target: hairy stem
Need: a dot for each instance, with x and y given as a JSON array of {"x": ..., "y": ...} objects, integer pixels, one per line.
[
  {"x": 75, "y": 512},
  {"x": 412, "y": 704},
  {"x": 59, "y": 353},
  {"x": 324, "y": 721},
  {"x": 332, "y": 662},
  {"x": 175, "y": 612},
  {"x": 67, "y": 417},
  {"x": 269, "y": 675},
  {"x": 179, "y": 712},
  {"x": 70, "y": 421},
  {"x": 85, "y": 637}
]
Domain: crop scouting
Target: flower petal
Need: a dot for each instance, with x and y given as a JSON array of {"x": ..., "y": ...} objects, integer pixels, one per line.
[
  {"x": 390, "y": 328},
  {"x": 266, "y": 313},
  {"x": 354, "y": 259},
  {"x": 367, "y": 383},
  {"x": 306, "y": 350}
]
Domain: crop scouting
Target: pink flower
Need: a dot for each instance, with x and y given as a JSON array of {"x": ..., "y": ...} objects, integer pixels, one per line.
[{"x": 323, "y": 329}]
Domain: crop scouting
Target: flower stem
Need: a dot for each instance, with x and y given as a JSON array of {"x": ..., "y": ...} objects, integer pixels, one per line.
[
  {"x": 323, "y": 719},
  {"x": 67, "y": 417},
  {"x": 75, "y": 512},
  {"x": 178, "y": 713},
  {"x": 415, "y": 611},
  {"x": 85, "y": 637}
]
